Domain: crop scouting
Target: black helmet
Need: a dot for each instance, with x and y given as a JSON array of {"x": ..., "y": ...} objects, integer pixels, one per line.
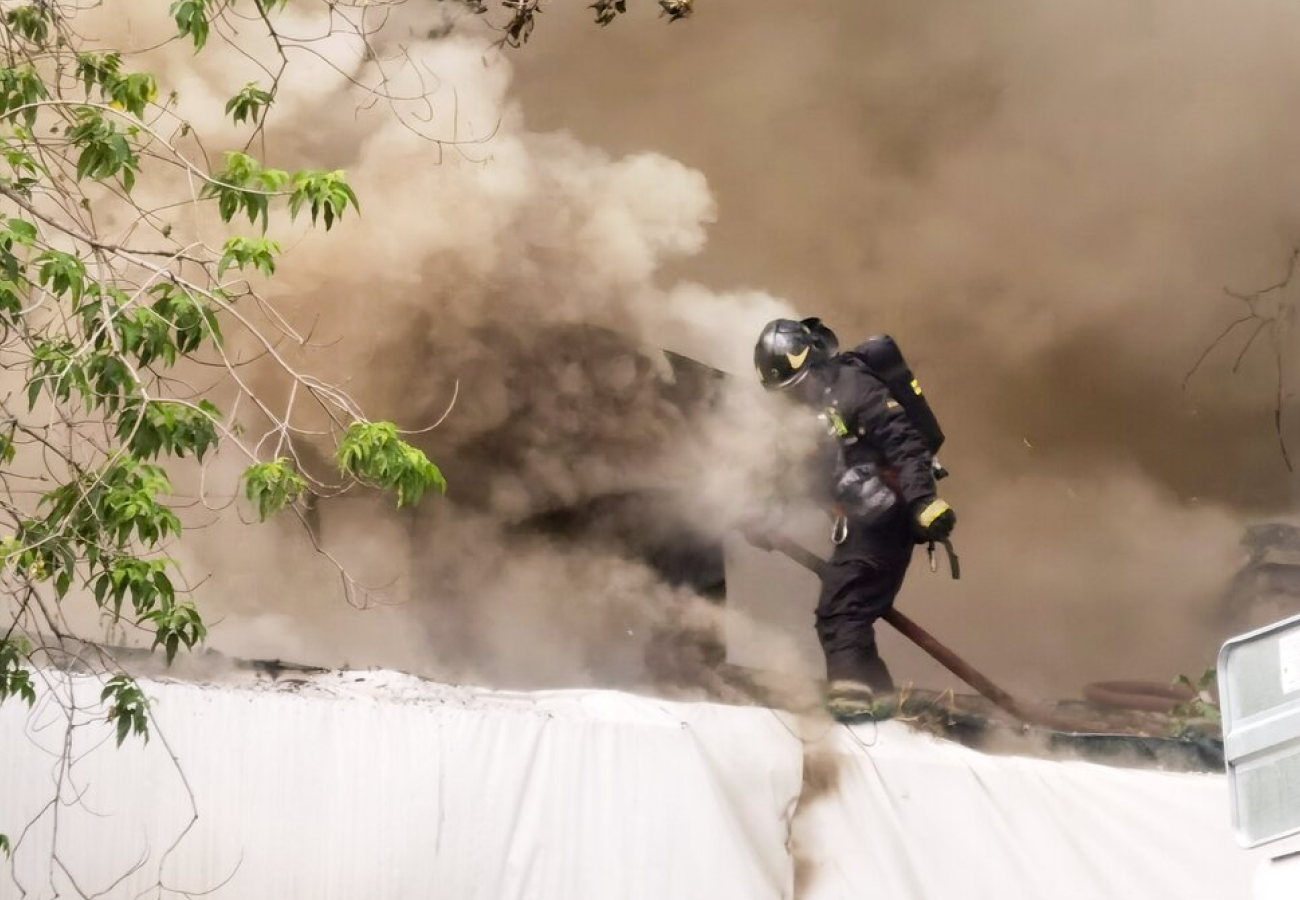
[
  {"x": 788, "y": 350},
  {"x": 830, "y": 343}
]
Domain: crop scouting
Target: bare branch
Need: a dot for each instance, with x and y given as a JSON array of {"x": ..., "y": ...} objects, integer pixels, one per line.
[{"x": 1273, "y": 322}]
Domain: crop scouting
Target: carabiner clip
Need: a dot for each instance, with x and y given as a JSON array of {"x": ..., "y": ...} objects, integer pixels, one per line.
[{"x": 840, "y": 530}]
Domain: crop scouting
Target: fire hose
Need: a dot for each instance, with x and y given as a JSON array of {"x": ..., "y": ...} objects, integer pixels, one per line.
[
  {"x": 930, "y": 645},
  {"x": 1140, "y": 696}
]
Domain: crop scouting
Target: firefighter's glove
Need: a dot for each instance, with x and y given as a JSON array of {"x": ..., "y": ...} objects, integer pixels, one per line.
[
  {"x": 935, "y": 520},
  {"x": 860, "y": 492}
]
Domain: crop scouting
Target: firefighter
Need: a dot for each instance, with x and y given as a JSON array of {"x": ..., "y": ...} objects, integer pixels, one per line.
[{"x": 883, "y": 494}]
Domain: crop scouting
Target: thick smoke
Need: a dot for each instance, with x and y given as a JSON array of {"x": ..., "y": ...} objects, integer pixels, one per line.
[
  {"x": 1041, "y": 203},
  {"x": 512, "y": 269}
]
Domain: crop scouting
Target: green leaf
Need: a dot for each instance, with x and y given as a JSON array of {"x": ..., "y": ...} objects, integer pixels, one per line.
[
  {"x": 241, "y": 252},
  {"x": 58, "y": 370},
  {"x": 105, "y": 150},
  {"x": 273, "y": 485},
  {"x": 244, "y": 185},
  {"x": 128, "y": 707},
  {"x": 19, "y": 231},
  {"x": 26, "y": 170},
  {"x": 20, "y": 90},
  {"x": 372, "y": 453},
  {"x": 248, "y": 104},
  {"x": 192, "y": 20},
  {"x": 129, "y": 92},
  {"x": 15, "y": 235},
  {"x": 111, "y": 508},
  {"x": 15, "y": 677},
  {"x": 61, "y": 273},
  {"x": 176, "y": 625},
  {"x": 192, "y": 319},
  {"x": 326, "y": 195},
  {"x": 31, "y": 22},
  {"x": 132, "y": 93},
  {"x": 1201, "y": 713},
  {"x": 11, "y": 302},
  {"x": 148, "y": 428},
  {"x": 98, "y": 69}
]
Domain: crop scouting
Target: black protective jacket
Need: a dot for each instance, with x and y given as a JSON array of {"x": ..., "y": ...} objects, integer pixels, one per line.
[{"x": 871, "y": 427}]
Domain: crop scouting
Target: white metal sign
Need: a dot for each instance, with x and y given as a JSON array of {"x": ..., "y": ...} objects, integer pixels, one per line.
[
  {"x": 1288, "y": 647},
  {"x": 1259, "y": 688}
]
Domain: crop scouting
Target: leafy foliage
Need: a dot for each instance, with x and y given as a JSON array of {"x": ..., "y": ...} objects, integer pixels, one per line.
[
  {"x": 325, "y": 193},
  {"x": 608, "y": 10},
  {"x": 98, "y": 69},
  {"x": 373, "y": 453},
  {"x": 248, "y": 104},
  {"x": 105, "y": 148},
  {"x": 24, "y": 171},
  {"x": 152, "y": 427},
  {"x": 104, "y": 327},
  {"x": 21, "y": 89},
  {"x": 241, "y": 252},
  {"x": 244, "y": 185},
  {"x": 522, "y": 15},
  {"x": 128, "y": 92},
  {"x": 192, "y": 319},
  {"x": 247, "y": 186},
  {"x": 61, "y": 273},
  {"x": 273, "y": 486},
  {"x": 7, "y": 448},
  {"x": 30, "y": 22},
  {"x": 676, "y": 10},
  {"x": 127, "y": 706},
  {"x": 111, "y": 507},
  {"x": 192, "y": 20},
  {"x": 145, "y": 581},
  {"x": 176, "y": 624},
  {"x": 1201, "y": 713},
  {"x": 15, "y": 679}
]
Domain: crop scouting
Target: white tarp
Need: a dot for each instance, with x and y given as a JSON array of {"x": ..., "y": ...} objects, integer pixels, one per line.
[
  {"x": 911, "y": 816},
  {"x": 376, "y": 785}
]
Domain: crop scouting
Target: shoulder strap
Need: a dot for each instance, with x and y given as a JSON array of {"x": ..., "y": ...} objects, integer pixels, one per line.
[{"x": 860, "y": 362}]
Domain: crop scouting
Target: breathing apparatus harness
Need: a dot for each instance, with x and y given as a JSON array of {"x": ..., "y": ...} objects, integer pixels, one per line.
[{"x": 869, "y": 487}]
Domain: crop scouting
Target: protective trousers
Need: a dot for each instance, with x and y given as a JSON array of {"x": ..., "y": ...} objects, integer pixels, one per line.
[{"x": 864, "y": 576}]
